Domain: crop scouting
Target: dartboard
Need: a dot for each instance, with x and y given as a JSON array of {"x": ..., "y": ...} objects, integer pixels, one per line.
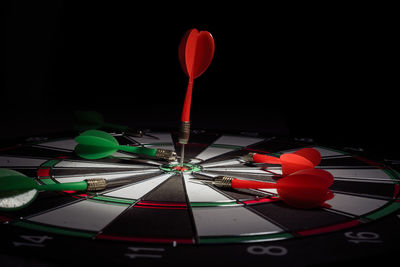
[{"x": 161, "y": 214}]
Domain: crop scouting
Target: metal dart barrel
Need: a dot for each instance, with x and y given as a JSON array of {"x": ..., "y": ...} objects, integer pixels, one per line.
[
  {"x": 165, "y": 154},
  {"x": 183, "y": 138}
]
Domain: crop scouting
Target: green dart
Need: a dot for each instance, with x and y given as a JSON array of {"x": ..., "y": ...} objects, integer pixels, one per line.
[
  {"x": 96, "y": 144},
  {"x": 92, "y": 120},
  {"x": 18, "y": 191}
]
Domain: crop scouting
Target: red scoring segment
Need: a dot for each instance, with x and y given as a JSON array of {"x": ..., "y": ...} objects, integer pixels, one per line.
[{"x": 180, "y": 168}]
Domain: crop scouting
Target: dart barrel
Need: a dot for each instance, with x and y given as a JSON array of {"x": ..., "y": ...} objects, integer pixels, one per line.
[
  {"x": 165, "y": 154},
  {"x": 184, "y": 132},
  {"x": 96, "y": 184},
  {"x": 223, "y": 181},
  {"x": 249, "y": 157}
]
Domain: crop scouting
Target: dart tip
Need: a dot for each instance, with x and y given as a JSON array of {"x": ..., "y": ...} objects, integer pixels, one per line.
[{"x": 182, "y": 154}]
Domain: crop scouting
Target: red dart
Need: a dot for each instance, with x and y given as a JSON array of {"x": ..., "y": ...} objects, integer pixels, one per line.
[
  {"x": 195, "y": 52},
  {"x": 301, "y": 159},
  {"x": 308, "y": 188}
]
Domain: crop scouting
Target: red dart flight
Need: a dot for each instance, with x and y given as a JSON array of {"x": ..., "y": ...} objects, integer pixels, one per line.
[{"x": 196, "y": 51}]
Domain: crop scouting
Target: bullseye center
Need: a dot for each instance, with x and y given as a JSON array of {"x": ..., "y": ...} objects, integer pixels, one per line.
[
  {"x": 186, "y": 167},
  {"x": 180, "y": 168}
]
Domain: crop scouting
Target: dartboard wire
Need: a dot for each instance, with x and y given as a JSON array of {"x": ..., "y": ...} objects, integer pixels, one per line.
[
  {"x": 224, "y": 163},
  {"x": 133, "y": 204},
  {"x": 101, "y": 231},
  {"x": 76, "y": 200},
  {"x": 44, "y": 159},
  {"x": 219, "y": 191},
  {"x": 361, "y": 217},
  {"x": 190, "y": 211},
  {"x": 363, "y": 195},
  {"x": 287, "y": 230},
  {"x": 53, "y": 148},
  {"x": 97, "y": 174},
  {"x": 130, "y": 138},
  {"x": 157, "y": 174}
]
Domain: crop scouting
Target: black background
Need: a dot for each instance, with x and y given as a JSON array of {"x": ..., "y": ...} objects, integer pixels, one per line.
[{"x": 324, "y": 72}]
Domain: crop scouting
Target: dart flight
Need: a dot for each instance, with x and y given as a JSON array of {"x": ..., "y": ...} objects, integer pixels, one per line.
[
  {"x": 96, "y": 144},
  {"x": 195, "y": 52},
  {"x": 308, "y": 188},
  {"x": 304, "y": 158}
]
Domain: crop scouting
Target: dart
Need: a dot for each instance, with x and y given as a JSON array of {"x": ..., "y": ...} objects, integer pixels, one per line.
[
  {"x": 291, "y": 162},
  {"x": 308, "y": 188},
  {"x": 96, "y": 144},
  {"x": 18, "y": 191},
  {"x": 195, "y": 52},
  {"x": 92, "y": 120}
]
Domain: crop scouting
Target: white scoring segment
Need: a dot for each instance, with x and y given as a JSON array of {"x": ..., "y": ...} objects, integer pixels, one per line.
[
  {"x": 199, "y": 192},
  {"x": 138, "y": 190},
  {"x": 323, "y": 151},
  {"x": 68, "y": 144},
  {"x": 211, "y": 152},
  {"x": 227, "y": 140},
  {"x": 10, "y": 161},
  {"x": 230, "y": 221},
  {"x": 360, "y": 174},
  {"x": 237, "y": 140},
  {"x": 244, "y": 169},
  {"x": 107, "y": 176},
  {"x": 164, "y": 141},
  {"x": 83, "y": 215},
  {"x": 230, "y": 162},
  {"x": 355, "y": 205},
  {"x": 93, "y": 164}
]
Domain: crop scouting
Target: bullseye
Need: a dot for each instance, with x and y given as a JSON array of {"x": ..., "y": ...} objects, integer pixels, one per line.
[
  {"x": 180, "y": 168},
  {"x": 186, "y": 167}
]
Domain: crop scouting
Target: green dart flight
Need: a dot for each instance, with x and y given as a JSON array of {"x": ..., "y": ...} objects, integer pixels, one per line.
[{"x": 96, "y": 144}]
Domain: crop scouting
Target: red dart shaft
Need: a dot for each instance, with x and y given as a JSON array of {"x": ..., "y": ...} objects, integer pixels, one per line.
[
  {"x": 188, "y": 101},
  {"x": 232, "y": 182},
  {"x": 239, "y": 183},
  {"x": 259, "y": 158}
]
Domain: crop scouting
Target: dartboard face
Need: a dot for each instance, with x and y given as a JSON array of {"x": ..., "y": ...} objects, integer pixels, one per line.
[{"x": 162, "y": 214}]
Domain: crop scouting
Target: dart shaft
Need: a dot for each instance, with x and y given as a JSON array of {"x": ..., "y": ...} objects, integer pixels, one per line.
[
  {"x": 184, "y": 132},
  {"x": 188, "y": 101},
  {"x": 139, "y": 150},
  {"x": 183, "y": 138},
  {"x": 260, "y": 158},
  {"x": 239, "y": 183},
  {"x": 152, "y": 152},
  {"x": 231, "y": 182},
  {"x": 182, "y": 154},
  {"x": 73, "y": 186}
]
